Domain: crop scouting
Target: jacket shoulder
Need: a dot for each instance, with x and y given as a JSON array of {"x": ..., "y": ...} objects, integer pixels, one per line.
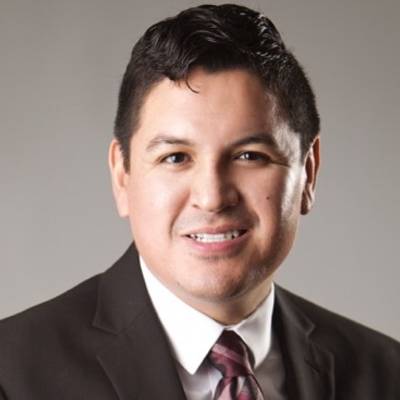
[
  {"x": 350, "y": 341},
  {"x": 41, "y": 337}
]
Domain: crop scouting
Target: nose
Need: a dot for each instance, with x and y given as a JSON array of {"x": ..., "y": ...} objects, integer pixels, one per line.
[{"x": 213, "y": 190}]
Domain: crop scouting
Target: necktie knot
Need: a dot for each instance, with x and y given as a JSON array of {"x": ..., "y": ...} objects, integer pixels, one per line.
[{"x": 231, "y": 356}]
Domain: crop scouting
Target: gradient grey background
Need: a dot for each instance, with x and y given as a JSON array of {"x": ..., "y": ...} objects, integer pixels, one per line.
[{"x": 61, "y": 64}]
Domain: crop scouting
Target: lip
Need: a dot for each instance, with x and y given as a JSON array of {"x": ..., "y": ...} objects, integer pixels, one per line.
[
  {"x": 225, "y": 247},
  {"x": 214, "y": 230}
]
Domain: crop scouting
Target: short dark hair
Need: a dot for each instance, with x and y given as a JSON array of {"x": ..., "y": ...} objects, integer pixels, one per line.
[{"x": 216, "y": 38}]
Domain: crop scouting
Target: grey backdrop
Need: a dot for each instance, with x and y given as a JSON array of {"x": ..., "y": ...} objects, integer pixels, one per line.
[{"x": 61, "y": 63}]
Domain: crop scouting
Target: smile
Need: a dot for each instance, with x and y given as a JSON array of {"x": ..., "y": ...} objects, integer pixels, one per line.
[{"x": 216, "y": 238}]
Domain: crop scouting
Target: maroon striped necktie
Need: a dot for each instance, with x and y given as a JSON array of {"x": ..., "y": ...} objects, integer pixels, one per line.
[{"x": 231, "y": 357}]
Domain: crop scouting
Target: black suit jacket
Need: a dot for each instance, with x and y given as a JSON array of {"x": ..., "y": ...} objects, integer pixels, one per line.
[{"x": 102, "y": 340}]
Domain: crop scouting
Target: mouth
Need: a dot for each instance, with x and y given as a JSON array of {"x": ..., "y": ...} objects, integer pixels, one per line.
[{"x": 205, "y": 237}]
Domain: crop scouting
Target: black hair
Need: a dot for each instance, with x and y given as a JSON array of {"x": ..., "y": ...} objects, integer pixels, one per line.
[{"x": 216, "y": 38}]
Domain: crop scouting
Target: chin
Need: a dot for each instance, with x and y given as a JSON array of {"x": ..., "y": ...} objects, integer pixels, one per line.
[{"x": 220, "y": 288}]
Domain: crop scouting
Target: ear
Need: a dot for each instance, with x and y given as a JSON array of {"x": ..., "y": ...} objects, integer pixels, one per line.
[
  {"x": 311, "y": 165},
  {"x": 119, "y": 178}
]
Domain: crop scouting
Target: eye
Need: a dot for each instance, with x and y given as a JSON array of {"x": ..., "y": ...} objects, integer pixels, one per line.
[
  {"x": 252, "y": 156},
  {"x": 175, "y": 158}
]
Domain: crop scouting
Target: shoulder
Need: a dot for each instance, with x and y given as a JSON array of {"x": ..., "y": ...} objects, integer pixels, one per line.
[
  {"x": 68, "y": 307},
  {"x": 44, "y": 336},
  {"x": 347, "y": 339},
  {"x": 50, "y": 351},
  {"x": 364, "y": 363}
]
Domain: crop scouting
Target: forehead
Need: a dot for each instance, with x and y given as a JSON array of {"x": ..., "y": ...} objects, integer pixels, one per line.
[
  {"x": 211, "y": 108},
  {"x": 211, "y": 94}
]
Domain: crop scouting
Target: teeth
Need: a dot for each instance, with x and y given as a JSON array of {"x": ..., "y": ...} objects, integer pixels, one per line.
[{"x": 219, "y": 237}]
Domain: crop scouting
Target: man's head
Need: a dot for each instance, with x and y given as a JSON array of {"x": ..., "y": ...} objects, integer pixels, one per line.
[
  {"x": 216, "y": 38},
  {"x": 223, "y": 154}
]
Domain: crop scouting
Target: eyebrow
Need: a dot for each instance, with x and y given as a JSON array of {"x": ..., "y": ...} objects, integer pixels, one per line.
[
  {"x": 259, "y": 138},
  {"x": 165, "y": 139}
]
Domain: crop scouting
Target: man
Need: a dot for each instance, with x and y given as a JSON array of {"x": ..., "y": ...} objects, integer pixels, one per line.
[{"x": 215, "y": 156}]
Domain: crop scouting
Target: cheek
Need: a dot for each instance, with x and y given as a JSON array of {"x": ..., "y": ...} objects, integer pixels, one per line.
[
  {"x": 292, "y": 193},
  {"x": 275, "y": 196},
  {"x": 155, "y": 199}
]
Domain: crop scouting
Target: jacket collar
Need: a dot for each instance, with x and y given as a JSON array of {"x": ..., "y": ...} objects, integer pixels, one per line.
[
  {"x": 309, "y": 366},
  {"x": 124, "y": 312}
]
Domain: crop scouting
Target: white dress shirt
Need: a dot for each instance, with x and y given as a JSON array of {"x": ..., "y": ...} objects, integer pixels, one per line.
[{"x": 191, "y": 335}]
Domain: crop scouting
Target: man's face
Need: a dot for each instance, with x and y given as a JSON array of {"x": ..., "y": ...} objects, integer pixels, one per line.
[{"x": 214, "y": 189}]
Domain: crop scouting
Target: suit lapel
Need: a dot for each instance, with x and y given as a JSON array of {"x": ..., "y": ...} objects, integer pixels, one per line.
[
  {"x": 137, "y": 359},
  {"x": 309, "y": 367}
]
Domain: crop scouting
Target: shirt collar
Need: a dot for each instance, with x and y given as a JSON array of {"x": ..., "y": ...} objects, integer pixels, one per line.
[{"x": 192, "y": 334}]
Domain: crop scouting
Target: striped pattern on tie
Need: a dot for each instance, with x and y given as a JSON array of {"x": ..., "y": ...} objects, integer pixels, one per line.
[{"x": 231, "y": 357}]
